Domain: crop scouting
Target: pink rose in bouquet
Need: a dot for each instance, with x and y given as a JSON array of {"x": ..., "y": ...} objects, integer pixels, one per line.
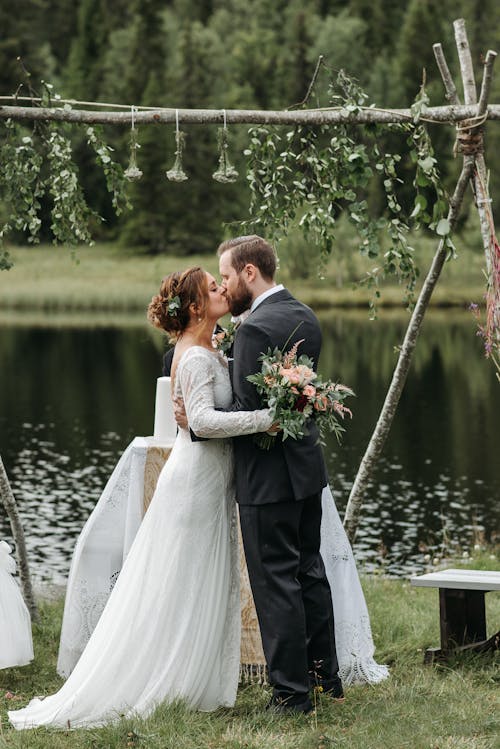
[{"x": 286, "y": 385}]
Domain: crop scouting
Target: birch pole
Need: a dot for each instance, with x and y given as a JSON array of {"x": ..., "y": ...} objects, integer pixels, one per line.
[
  {"x": 480, "y": 188},
  {"x": 384, "y": 422},
  {"x": 9, "y": 503},
  {"x": 159, "y": 116},
  {"x": 480, "y": 181},
  {"x": 480, "y": 178}
]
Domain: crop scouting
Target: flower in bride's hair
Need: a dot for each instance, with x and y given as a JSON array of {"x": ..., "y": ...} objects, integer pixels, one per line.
[{"x": 173, "y": 306}]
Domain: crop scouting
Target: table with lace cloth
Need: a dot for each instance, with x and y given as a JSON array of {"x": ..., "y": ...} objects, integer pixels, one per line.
[{"x": 103, "y": 546}]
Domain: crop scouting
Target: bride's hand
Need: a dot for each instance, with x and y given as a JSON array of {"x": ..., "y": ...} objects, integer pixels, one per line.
[
  {"x": 180, "y": 413},
  {"x": 274, "y": 429}
]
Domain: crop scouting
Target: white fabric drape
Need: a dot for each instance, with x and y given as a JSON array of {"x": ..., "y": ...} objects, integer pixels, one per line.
[
  {"x": 16, "y": 645},
  {"x": 353, "y": 637}
]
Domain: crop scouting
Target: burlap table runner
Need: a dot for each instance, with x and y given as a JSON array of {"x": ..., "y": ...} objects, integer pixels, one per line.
[{"x": 252, "y": 660}]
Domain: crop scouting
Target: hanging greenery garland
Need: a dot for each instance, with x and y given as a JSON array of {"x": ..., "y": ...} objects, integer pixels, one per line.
[
  {"x": 39, "y": 162},
  {"x": 308, "y": 176}
]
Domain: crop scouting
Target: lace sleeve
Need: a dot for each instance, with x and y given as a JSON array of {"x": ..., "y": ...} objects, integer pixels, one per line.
[{"x": 196, "y": 378}]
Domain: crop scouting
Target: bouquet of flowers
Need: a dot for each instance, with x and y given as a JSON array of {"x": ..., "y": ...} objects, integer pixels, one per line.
[{"x": 290, "y": 386}]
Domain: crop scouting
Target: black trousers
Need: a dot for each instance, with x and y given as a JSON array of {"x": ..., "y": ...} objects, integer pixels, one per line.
[{"x": 291, "y": 593}]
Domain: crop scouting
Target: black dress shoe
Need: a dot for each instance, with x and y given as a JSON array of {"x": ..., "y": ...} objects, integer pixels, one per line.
[
  {"x": 331, "y": 687},
  {"x": 335, "y": 691},
  {"x": 280, "y": 706}
]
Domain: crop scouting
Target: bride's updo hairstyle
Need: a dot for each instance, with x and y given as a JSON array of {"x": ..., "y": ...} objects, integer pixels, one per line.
[{"x": 169, "y": 310}]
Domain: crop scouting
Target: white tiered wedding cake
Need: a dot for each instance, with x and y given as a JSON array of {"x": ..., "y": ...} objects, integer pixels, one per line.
[{"x": 165, "y": 428}]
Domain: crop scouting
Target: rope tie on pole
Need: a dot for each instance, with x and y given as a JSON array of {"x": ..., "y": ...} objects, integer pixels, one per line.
[
  {"x": 469, "y": 143},
  {"x": 470, "y": 137}
]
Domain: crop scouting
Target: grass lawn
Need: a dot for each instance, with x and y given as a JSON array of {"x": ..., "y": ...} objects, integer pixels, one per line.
[
  {"x": 454, "y": 706},
  {"x": 107, "y": 277}
]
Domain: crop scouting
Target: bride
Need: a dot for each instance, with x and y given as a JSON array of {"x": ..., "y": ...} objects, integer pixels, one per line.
[{"x": 171, "y": 627}]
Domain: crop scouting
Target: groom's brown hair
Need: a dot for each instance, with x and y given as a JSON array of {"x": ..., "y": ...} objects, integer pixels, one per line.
[{"x": 251, "y": 249}]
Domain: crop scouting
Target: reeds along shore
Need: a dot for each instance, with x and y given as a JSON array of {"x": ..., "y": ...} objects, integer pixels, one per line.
[
  {"x": 454, "y": 706},
  {"x": 107, "y": 277}
]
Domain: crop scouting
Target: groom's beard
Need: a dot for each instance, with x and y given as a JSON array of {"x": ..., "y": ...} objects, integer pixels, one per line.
[{"x": 241, "y": 300}]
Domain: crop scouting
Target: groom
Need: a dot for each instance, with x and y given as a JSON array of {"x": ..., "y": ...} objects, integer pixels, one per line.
[{"x": 279, "y": 491}]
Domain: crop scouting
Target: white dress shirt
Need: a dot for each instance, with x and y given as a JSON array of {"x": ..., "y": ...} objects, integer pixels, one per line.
[{"x": 265, "y": 294}]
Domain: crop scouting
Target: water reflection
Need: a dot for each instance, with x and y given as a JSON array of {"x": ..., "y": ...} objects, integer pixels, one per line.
[
  {"x": 438, "y": 482},
  {"x": 73, "y": 398}
]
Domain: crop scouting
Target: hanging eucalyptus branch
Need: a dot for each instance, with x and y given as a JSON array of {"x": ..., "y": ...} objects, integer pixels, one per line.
[
  {"x": 21, "y": 187},
  {"x": 70, "y": 212},
  {"x": 116, "y": 178},
  {"x": 427, "y": 178},
  {"x": 40, "y": 162},
  {"x": 308, "y": 176}
]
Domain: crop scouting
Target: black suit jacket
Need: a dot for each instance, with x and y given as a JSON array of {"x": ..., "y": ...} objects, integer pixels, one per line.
[
  {"x": 167, "y": 361},
  {"x": 291, "y": 469}
]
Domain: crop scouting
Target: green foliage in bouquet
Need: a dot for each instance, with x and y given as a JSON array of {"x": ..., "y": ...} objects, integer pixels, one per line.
[{"x": 297, "y": 394}]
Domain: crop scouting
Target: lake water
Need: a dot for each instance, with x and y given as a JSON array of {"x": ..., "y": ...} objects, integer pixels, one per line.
[{"x": 72, "y": 396}]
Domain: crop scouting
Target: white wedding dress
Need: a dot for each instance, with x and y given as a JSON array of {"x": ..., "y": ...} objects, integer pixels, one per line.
[{"x": 171, "y": 627}]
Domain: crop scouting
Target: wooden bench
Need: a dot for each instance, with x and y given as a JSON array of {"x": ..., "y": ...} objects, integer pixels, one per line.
[{"x": 462, "y": 613}]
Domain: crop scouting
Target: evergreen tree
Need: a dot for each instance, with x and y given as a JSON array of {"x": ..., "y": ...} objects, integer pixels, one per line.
[
  {"x": 424, "y": 23},
  {"x": 295, "y": 67},
  {"x": 335, "y": 37},
  {"x": 383, "y": 19},
  {"x": 115, "y": 65},
  {"x": 83, "y": 73},
  {"x": 193, "y": 10},
  {"x": 148, "y": 54},
  {"x": 56, "y": 24},
  {"x": 148, "y": 225},
  {"x": 20, "y": 39}
]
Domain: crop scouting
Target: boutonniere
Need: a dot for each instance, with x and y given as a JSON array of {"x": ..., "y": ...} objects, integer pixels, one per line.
[{"x": 224, "y": 340}]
